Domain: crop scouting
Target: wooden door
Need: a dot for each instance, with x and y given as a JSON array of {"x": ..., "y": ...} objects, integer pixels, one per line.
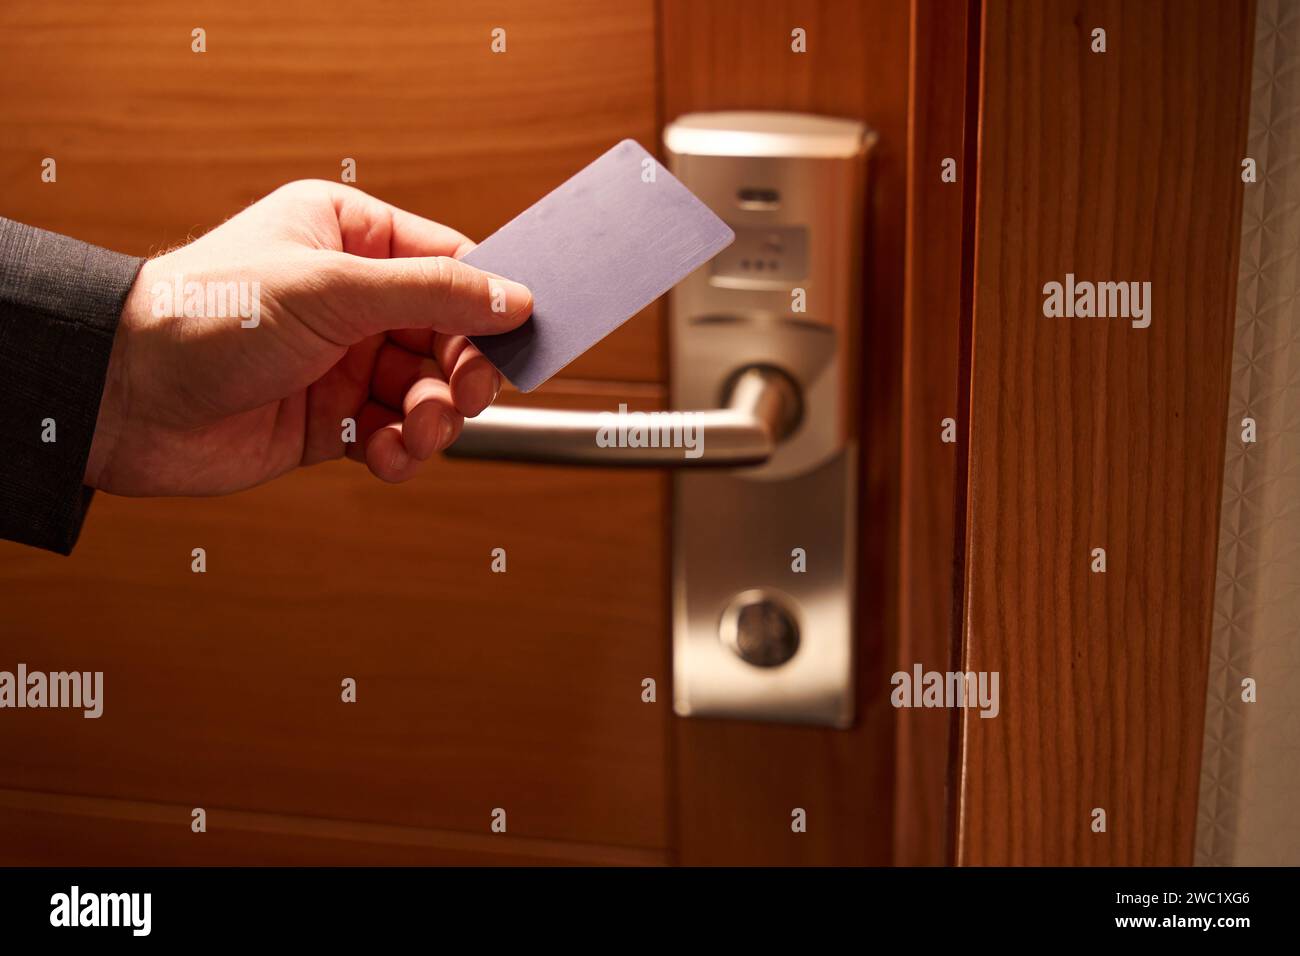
[{"x": 475, "y": 690}]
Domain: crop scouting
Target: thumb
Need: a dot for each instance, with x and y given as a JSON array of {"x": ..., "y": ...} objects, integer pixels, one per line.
[{"x": 433, "y": 292}]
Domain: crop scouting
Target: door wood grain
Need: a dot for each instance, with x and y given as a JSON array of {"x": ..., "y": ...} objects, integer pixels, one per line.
[
  {"x": 155, "y": 143},
  {"x": 1089, "y": 433},
  {"x": 53, "y": 829},
  {"x": 475, "y": 690}
]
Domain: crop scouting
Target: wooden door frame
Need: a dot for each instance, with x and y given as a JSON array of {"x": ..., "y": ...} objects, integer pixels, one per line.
[{"x": 1086, "y": 433}]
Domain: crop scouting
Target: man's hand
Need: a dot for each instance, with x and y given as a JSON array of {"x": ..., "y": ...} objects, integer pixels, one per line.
[{"x": 361, "y": 313}]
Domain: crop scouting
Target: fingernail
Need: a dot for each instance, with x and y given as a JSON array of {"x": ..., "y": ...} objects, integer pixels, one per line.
[
  {"x": 496, "y": 387},
  {"x": 444, "y": 432}
]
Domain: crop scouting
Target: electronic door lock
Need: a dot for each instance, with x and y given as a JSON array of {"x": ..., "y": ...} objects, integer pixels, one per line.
[
  {"x": 764, "y": 363},
  {"x": 765, "y": 558}
]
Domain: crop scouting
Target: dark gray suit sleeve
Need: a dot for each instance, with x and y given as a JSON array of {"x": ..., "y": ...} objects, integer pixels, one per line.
[{"x": 60, "y": 300}]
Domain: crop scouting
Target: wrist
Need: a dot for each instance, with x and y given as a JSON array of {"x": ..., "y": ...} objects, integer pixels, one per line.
[{"x": 114, "y": 398}]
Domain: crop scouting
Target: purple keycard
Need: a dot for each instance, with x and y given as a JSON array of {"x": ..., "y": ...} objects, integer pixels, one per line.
[{"x": 595, "y": 251}]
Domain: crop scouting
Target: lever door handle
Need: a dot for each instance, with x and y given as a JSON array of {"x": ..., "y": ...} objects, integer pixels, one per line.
[{"x": 762, "y": 407}]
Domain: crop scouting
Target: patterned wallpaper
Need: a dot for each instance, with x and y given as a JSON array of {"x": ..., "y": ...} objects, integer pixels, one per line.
[{"x": 1250, "y": 778}]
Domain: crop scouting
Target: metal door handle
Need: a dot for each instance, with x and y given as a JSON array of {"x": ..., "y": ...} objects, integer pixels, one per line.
[{"x": 762, "y": 408}]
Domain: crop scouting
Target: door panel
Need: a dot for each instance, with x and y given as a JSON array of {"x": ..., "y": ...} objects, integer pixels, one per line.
[
  {"x": 155, "y": 143},
  {"x": 475, "y": 689}
]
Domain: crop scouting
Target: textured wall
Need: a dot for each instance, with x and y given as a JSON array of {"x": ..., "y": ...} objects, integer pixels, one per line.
[{"x": 1251, "y": 770}]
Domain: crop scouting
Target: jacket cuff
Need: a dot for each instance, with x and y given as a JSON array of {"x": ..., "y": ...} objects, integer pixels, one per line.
[{"x": 60, "y": 302}]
